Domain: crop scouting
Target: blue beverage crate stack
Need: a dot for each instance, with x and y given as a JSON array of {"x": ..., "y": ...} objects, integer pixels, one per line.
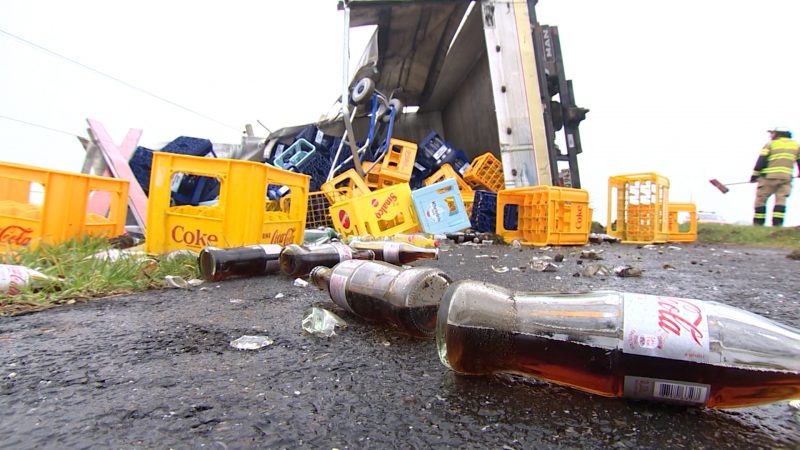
[{"x": 484, "y": 212}]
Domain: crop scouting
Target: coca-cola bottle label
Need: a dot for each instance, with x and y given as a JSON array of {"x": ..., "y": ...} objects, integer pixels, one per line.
[
  {"x": 669, "y": 391},
  {"x": 391, "y": 252},
  {"x": 666, "y": 327},
  {"x": 337, "y": 290},
  {"x": 12, "y": 278},
  {"x": 345, "y": 253}
]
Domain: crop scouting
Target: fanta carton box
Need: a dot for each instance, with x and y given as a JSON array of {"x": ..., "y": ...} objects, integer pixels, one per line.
[{"x": 384, "y": 212}]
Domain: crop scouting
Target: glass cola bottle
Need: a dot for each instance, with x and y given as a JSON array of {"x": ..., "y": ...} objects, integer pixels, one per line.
[
  {"x": 418, "y": 239},
  {"x": 617, "y": 344},
  {"x": 407, "y": 299},
  {"x": 396, "y": 252},
  {"x": 298, "y": 260},
  {"x": 249, "y": 261}
]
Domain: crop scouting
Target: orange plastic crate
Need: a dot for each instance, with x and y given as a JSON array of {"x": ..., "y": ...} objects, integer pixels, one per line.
[
  {"x": 344, "y": 186},
  {"x": 372, "y": 174},
  {"x": 485, "y": 173},
  {"x": 398, "y": 163},
  {"x": 682, "y": 222},
  {"x": 384, "y": 212},
  {"x": 63, "y": 212},
  {"x": 546, "y": 215},
  {"x": 240, "y": 216},
  {"x": 638, "y": 206},
  {"x": 447, "y": 171}
]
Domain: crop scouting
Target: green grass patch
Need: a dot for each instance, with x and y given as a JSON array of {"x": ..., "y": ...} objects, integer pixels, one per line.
[
  {"x": 82, "y": 277},
  {"x": 775, "y": 237}
]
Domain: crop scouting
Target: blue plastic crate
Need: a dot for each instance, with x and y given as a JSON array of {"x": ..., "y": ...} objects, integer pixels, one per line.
[
  {"x": 484, "y": 212},
  {"x": 433, "y": 152},
  {"x": 440, "y": 208},
  {"x": 316, "y": 166},
  {"x": 141, "y": 163},
  {"x": 185, "y": 145},
  {"x": 315, "y": 136}
]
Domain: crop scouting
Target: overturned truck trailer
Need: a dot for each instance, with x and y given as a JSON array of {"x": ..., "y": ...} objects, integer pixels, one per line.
[{"x": 482, "y": 74}]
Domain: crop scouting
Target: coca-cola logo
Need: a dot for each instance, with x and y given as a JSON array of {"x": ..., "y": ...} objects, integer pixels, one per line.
[
  {"x": 285, "y": 238},
  {"x": 344, "y": 219},
  {"x": 676, "y": 315},
  {"x": 15, "y": 235},
  {"x": 385, "y": 206},
  {"x": 14, "y": 279},
  {"x": 193, "y": 238},
  {"x": 579, "y": 217}
]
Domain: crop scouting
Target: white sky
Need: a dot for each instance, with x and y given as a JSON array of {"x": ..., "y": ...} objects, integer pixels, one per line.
[{"x": 683, "y": 88}]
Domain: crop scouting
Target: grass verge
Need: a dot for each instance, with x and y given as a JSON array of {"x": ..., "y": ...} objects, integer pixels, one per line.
[
  {"x": 774, "y": 237},
  {"x": 82, "y": 277}
]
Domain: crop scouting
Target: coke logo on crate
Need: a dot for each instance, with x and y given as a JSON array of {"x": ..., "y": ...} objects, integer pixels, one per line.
[
  {"x": 344, "y": 219},
  {"x": 285, "y": 238},
  {"x": 579, "y": 217},
  {"x": 16, "y": 235},
  {"x": 192, "y": 238},
  {"x": 392, "y": 198}
]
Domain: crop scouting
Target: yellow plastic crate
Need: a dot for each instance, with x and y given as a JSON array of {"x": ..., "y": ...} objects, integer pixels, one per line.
[
  {"x": 372, "y": 174},
  {"x": 469, "y": 199},
  {"x": 240, "y": 216},
  {"x": 445, "y": 172},
  {"x": 682, "y": 222},
  {"x": 63, "y": 212},
  {"x": 317, "y": 215},
  {"x": 545, "y": 215},
  {"x": 344, "y": 186},
  {"x": 398, "y": 163},
  {"x": 485, "y": 173},
  {"x": 384, "y": 212},
  {"x": 638, "y": 208}
]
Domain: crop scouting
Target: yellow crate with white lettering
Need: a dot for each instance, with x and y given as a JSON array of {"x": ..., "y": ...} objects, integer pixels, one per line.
[
  {"x": 682, "y": 222},
  {"x": 384, "y": 212},
  {"x": 40, "y": 205},
  {"x": 242, "y": 215}
]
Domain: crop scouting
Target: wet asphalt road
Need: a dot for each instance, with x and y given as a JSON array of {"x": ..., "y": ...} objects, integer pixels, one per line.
[{"x": 155, "y": 370}]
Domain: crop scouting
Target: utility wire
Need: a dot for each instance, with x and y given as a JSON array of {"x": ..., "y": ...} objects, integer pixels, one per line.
[
  {"x": 39, "y": 47},
  {"x": 39, "y": 126}
]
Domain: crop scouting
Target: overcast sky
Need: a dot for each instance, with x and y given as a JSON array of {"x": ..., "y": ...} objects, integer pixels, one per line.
[{"x": 683, "y": 88}]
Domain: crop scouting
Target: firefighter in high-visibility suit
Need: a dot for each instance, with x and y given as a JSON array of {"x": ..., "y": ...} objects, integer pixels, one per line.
[{"x": 773, "y": 172}]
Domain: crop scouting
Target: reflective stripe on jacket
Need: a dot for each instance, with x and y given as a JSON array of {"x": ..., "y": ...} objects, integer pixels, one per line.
[{"x": 777, "y": 159}]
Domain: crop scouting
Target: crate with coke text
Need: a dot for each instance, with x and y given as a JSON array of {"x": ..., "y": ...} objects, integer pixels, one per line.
[
  {"x": 384, "y": 212},
  {"x": 239, "y": 217},
  {"x": 66, "y": 209},
  {"x": 546, "y": 215}
]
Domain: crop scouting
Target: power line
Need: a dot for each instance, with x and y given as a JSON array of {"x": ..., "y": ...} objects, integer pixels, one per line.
[
  {"x": 39, "y": 47},
  {"x": 39, "y": 126}
]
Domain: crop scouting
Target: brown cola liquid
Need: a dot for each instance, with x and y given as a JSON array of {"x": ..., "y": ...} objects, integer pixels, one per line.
[
  {"x": 419, "y": 321},
  {"x": 297, "y": 261},
  {"x": 481, "y": 351},
  {"x": 218, "y": 264}
]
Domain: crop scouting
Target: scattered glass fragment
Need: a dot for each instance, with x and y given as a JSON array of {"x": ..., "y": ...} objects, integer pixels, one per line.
[{"x": 251, "y": 342}]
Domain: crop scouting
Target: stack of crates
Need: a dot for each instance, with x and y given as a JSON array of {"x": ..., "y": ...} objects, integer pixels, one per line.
[
  {"x": 240, "y": 215},
  {"x": 682, "y": 230},
  {"x": 545, "y": 215},
  {"x": 65, "y": 210},
  {"x": 638, "y": 208}
]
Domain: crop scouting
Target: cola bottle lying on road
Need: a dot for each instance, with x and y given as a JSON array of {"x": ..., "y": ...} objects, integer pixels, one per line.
[
  {"x": 384, "y": 293},
  {"x": 298, "y": 260},
  {"x": 249, "y": 261},
  {"x": 418, "y": 239},
  {"x": 619, "y": 344},
  {"x": 396, "y": 252}
]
